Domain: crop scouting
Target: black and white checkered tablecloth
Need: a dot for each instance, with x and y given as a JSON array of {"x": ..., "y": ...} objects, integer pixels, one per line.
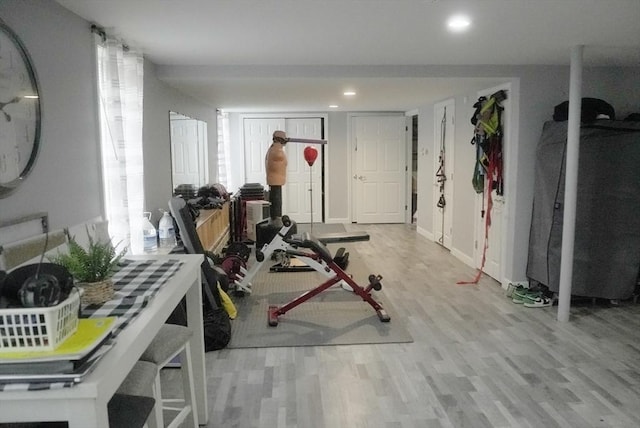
[{"x": 136, "y": 283}]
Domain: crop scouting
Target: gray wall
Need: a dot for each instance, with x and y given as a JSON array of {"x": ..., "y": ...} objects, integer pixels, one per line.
[
  {"x": 65, "y": 181},
  {"x": 159, "y": 99}
]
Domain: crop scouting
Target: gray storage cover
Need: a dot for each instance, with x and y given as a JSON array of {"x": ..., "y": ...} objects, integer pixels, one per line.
[{"x": 607, "y": 240}]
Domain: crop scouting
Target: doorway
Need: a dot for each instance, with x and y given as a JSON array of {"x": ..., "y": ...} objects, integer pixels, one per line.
[
  {"x": 414, "y": 167},
  {"x": 303, "y": 181},
  {"x": 378, "y": 144},
  {"x": 493, "y": 255},
  {"x": 189, "y": 159}
]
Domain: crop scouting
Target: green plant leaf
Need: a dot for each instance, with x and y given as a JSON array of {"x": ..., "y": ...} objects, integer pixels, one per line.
[{"x": 93, "y": 264}]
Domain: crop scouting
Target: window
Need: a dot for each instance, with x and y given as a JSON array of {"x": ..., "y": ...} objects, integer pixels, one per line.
[
  {"x": 120, "y": 93},
  {"x": 224, "y": 148}
]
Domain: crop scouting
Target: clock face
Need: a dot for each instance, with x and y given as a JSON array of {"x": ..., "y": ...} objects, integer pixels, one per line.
[{"x": 19, "y": 112}]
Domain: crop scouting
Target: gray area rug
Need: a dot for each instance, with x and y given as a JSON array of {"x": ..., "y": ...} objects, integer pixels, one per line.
[{"x": 334, "y": 317}]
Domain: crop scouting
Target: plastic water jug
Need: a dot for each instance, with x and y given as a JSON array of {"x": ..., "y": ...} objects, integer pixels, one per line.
[
  {"x": 166, "y": 232},
  {"x": 150, "y": 238}
]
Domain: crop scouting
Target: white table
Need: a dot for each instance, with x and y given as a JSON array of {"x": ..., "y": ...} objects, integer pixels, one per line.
[{"x": 85, "y": 404}]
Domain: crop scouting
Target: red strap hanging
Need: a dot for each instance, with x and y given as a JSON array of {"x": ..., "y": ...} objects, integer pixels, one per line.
[{"x": 487, "y": 219}]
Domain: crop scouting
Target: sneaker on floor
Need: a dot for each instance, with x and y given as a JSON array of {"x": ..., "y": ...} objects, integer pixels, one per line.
[
  {"x": 537, "y": 302},
  {"x": 512, "y": 288},
  {"x": 517, "y": 300},
  {"x": 525, "y": 292},
  {"x": 522, "y": 295}
]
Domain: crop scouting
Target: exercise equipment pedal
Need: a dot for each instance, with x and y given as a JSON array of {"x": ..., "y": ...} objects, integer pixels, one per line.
[
  {"x": 383, "y": 316},
  {"x": 375, "y": 282},
  {"x": 273, "y": 316}
]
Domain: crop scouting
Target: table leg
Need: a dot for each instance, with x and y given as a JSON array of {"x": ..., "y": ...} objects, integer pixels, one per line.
[
  {"x": 87, "y": 415},
  {"x": 194, "y": 320}
]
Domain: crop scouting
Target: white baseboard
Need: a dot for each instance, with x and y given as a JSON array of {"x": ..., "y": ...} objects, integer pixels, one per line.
[
  {"x": 425, "y": 233},
  {"x": 337, "y": 220},
  {"x": 463, "y": 257}
]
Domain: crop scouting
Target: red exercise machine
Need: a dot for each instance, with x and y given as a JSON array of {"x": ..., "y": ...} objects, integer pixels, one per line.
[{"x": 321, "y": 254}]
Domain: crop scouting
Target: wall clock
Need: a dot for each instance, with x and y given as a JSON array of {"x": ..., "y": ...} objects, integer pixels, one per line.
[{"x": 20, "y": 119}]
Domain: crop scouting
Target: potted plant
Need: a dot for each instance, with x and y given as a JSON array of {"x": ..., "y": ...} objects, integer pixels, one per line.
[{"x": 92, "y": 268}]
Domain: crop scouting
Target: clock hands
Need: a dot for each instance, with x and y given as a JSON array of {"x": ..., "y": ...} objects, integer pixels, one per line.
[{"x": 3, "y": 105}]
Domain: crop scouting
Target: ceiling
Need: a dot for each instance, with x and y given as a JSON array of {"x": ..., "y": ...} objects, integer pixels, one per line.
[{"x": 300, "y": 55}]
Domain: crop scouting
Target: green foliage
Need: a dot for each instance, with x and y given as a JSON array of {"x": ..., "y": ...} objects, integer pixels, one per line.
[{"x": 93, "y": 264}]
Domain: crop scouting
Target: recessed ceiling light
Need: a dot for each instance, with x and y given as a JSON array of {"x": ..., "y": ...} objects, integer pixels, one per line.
[
  {"x": 349, "y": 93},
  {"x": 458, "y": 23},
  {"x": 333, "y": 106}
]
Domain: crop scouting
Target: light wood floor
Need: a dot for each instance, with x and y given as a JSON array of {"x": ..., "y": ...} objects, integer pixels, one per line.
[{"x": 478, "y": 360}]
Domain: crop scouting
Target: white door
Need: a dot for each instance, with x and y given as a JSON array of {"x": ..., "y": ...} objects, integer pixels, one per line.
[
  {"x": 493, "y": 255},
  {"x": 444, "y": 114},
  {"x": 203, "y": 158},
  {"x": 185, "y": 152},
  {"x": 303, "y": 181},
  {"x": 493, "y": 239},
  {"x": 380, "y": 168},
  {"x": 258, "y": 136}
]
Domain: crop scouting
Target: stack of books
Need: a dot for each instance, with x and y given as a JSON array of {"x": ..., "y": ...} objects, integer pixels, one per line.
[{"x": 69, "y": 362}]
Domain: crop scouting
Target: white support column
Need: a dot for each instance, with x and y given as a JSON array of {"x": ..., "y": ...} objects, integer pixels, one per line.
[{"x": 571, "y": 184}]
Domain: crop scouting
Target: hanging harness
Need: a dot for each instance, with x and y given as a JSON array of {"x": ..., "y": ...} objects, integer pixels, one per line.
[
  {"x": 487, "y": 174},
  {"x": 441, "y": 177}
]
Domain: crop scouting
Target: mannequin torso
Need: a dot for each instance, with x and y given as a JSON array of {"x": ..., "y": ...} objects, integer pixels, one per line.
[{"x": 276, "y": 165}]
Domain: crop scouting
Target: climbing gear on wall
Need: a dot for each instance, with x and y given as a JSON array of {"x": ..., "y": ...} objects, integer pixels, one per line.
[
  {"x": 487, "y": 137},
  {"x": 441, "y": 176},
  {"x": 487, "y": 174}
]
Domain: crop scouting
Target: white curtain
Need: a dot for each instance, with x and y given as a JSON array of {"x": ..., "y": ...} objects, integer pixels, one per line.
[
  {"x": 120, "y": 86},
  {"x": 224, "y": 148}
]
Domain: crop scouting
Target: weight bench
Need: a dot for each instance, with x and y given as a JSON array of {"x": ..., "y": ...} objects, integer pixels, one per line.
[
  {"x": 338, "y": 237},
  {"x": 319, "y": 254},
  {"x": 278, "y": 247},
  {"x": 341, "y": 257}
]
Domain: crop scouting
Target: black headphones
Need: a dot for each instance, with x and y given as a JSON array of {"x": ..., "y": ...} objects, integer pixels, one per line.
[{"x": 37, "y": 285}]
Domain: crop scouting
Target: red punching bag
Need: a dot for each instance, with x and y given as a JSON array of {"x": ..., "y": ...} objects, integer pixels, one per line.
[{"x": 310, "y": 155}]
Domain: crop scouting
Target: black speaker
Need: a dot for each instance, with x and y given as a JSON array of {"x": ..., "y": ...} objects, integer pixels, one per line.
[
  {"x": 3, "y": 276},
  {"x": 37, "y": 285}
]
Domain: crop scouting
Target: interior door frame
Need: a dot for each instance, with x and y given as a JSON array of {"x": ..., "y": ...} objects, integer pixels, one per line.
[
  {"x": 200, "y": 146},
  {"x": 449, "y": 154},
  {"x": 409, "y": 157},
  {"x": 351, "y": 160},
  {"x": 203, "y": 150},
  {"x": 507, "y": 202},
  {"x": 327, "y": 147},
  {"x": 299, "y": 168}
]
